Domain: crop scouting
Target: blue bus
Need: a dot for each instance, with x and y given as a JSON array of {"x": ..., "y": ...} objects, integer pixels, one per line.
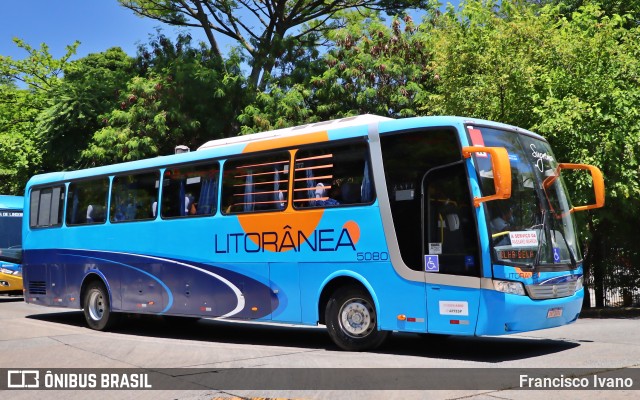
[
  {"x": 11, "y": 242},
  {"x": 368, "y": 225}
]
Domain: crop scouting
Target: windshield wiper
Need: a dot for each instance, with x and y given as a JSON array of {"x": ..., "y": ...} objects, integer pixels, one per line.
[
  {"x": 543, "y": 228},
  {"x": 566, "y": 243}
]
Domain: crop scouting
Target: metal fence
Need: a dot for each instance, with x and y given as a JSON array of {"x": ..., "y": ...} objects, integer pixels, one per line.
[{"x": 614, "y": 296}]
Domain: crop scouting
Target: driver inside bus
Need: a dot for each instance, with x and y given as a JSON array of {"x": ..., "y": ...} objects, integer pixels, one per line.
[
  {"x": 504, "y": 220},
  {"x": 502, "y": 224}
]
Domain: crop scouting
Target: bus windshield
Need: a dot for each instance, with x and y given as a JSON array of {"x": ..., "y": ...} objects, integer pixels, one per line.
[
  {"x": 534, "y": 227},
  {"x": 10, "y": 228}
]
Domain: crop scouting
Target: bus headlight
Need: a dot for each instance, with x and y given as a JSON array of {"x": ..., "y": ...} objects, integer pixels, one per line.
[
  {"x": 509, "y": 287},
  {"x": 579, "y": 284}
]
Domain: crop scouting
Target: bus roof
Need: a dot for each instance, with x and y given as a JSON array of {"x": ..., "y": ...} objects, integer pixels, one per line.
[
  {"x": 221, "y": 148},
  {"x": 298, "y": 130},
  {"x": 11, "y": 202}
]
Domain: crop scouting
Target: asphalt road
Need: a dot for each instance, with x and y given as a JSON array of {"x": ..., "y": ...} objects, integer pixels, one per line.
[{"x": 34, "y": 337}]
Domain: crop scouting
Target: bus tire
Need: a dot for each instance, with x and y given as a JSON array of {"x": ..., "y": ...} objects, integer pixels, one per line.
[
  {"x": 97, "y": 309},
  {"x": 352, "y": 320}
]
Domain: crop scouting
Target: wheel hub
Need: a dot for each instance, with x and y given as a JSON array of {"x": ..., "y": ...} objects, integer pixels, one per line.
[
  {"x": 96, "y": 306},
  {"x": 355, "y": 319}
]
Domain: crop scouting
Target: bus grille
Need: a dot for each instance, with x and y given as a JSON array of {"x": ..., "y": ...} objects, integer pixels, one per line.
[
  {"x": 552, "y": 291},
  {"x": 38, "y": 287}
]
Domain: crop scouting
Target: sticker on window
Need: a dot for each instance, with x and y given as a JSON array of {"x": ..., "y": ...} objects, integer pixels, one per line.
[
  {"x": 431, "y": 263},
  {"x": 523, "y": 238},
  {"x": 435, "y": 248},
  {"x": 477, "y": 140}
]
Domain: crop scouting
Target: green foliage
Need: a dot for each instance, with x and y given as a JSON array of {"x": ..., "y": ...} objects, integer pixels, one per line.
[
  {"x": 278, "y": 109},
  {"x": 375, "y": 68},
  {"x": 590, "y": 113},
  {"x": 19, "y": 153},
  {"x": 90, "y": 88},
  {"x": 21, "y": 150},
  {"x": 39, "y": 70},
  {"x": 567, "y": 69},
  {"x": 488, "y": 62},
  {"x": 182, "y": 95},
  {"x": 574, "y": 80},
  {"x": 265, "y": 30},
  {"x": 630, "y": 9}
]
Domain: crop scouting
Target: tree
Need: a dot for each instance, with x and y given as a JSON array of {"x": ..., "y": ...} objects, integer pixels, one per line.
[
  {"x": 575, "y": 81},
  {"x": 90, "y": 88},
  {"x": 21, "y": 149},
  {"x": 375, "y": 68},
  {"x": 608, "y": 7},
  {"x": 181, "y": 95},
  {"x": 590, "y": 112},
  {"x": 488, "y": 61},
  {"x": 19, "y": 152},
  {"x": 39, "y": 70},
  {"x": 370, "y": 68},
  {"x": 264, "y": 29}
]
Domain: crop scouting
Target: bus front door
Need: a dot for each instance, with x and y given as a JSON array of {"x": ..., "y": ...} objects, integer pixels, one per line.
[{"x": 450, "y": 248}]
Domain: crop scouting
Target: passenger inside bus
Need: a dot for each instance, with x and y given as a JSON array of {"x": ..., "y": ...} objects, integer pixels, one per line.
[
  {"x": 322, "y": 198},
  {"x": 504, "y": 220},
  {"x": 502, "y": 224}
]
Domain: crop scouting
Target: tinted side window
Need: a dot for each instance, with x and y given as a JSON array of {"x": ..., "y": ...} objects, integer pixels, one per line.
[
  {"x": 134, "y": 197},
  {"x": 332, "y": 176},
  {"x": 46, "y": 207},
  {"x": 258, "y": 183},
  {"x": 87, "y": 202},
  {"x": 189, "y": 191}
]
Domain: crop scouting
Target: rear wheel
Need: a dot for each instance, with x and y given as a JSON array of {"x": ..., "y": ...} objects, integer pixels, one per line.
[
  {"x": 352, "y": 320},
  {"x": 97, "y": 309}
]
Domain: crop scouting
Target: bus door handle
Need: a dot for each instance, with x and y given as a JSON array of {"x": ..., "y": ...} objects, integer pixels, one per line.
[{"x": 435, "y": 287}]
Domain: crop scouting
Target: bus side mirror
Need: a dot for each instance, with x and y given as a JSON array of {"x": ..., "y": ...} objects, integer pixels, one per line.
[
  {"x": 501, "y": 171},
  {"x": 598, "y": 184}
]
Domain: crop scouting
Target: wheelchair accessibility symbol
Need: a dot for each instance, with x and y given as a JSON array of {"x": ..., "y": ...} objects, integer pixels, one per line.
[
  {"x": 431, "y": 263},
  {"x": 556, "y": 255}
]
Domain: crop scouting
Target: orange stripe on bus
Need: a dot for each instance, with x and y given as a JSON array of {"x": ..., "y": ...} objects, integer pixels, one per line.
[{"x": 288, "y": 141}]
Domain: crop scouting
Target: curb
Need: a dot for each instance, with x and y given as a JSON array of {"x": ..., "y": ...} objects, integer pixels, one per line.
[{"x": 607, "y": 312}]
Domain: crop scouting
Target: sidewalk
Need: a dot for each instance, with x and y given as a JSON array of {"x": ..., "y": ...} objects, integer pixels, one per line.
[{"x": 610, "y": 312}]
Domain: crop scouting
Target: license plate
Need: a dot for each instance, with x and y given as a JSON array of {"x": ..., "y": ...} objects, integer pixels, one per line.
[{"x": 554, "y": 312}]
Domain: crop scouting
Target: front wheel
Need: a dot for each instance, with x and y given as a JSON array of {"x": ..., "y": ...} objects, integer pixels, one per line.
[
  {"x": 352, "y": 320},
  {"x": 97, "y": 309}
]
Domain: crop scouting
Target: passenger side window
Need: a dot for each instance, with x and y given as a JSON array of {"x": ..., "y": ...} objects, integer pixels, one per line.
[
  {"x": 46, "y": 207},
  {"x": 87, "y": 202},
  {"x": 333, "y": 176},
  {"x": 257, "y": 183},
  {"x": 134, "y": 197},
  {"x": 190, "y": 191}
]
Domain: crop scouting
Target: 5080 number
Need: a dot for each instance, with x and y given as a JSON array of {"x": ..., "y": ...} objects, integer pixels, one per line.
[{"x": 372, "y": 256}]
